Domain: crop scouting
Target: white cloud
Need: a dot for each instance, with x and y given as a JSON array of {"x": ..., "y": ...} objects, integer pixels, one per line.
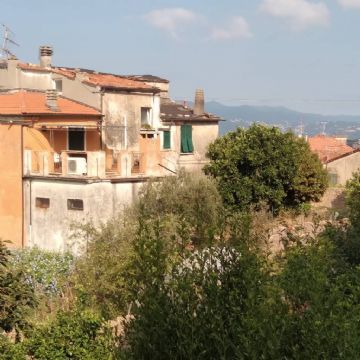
[
  {"x": 170, "y": 19},
  {"x": 300, "y": 14},
  {"x": 348, "y": 4},
  {"x": 238, "y": 28}
]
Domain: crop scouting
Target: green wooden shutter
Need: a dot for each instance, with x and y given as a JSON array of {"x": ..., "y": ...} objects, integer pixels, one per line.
[
  {"x": 186, "y": 139},
  {"x": 189, "y": 138},
  {"x": 167, "y": 140}
]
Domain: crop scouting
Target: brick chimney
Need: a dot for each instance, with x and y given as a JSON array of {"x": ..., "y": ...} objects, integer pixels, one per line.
[
  {"x": 45, "y": 54},
  {"x": 199, "y": 102},
  {"x": 51, "y": 99}
]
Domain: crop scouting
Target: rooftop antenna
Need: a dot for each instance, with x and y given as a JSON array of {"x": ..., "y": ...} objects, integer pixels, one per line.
[
  {"x": 323, "y": 123},
  {"x": 8, "y": 33}
]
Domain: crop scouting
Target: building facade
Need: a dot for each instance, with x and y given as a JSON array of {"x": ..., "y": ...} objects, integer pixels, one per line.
[{"x": 79, "y": 145}]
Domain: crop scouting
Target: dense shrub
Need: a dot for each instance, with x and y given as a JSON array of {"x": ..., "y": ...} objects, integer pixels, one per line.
[{"x": 74, "y": 335}]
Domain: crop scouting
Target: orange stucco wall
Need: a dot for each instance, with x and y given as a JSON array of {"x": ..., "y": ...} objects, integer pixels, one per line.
[
  {"x": 11, "y": 205},
  {"x": 150, "y": 148}
]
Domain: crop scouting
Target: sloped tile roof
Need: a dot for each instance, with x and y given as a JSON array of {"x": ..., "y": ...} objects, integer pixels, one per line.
[
  {"x": 34, "y": 103},
  {"x": 172, "y": 111},
  {"x": 328, "y": 148},
  {"x": 113, "y": 81}
]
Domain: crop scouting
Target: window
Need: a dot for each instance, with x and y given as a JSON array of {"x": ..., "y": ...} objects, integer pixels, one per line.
[
  {"x": 76, "y": 139},
  {"x": 42, "y": 203},
  {"x": 75, "y": 204},
  {"x": 186, "y": 139},
  {"x": 58, "y": 85},
  {"x": 145, "y": 116},
  {"x": 166, "y": 140}
]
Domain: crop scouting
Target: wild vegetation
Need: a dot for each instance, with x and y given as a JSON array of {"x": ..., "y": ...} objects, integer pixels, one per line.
[{"x": 184, "y": 274}]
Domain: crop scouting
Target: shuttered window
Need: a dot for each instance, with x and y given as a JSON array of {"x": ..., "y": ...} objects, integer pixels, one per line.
[
  {"x": 186, "y": 139},
  {"x": 167, "y": 140}
]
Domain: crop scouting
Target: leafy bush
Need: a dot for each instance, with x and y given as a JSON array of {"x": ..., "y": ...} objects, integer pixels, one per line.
[
  {"x": 46, "y": 271},
  {"x": 10, "y": 351},
  {"x": 73, "y": 335},
  {"x": 16, "y": 294}
]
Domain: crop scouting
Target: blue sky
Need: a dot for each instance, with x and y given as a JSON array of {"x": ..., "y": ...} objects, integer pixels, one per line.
[{"x": 303, "y": 54}]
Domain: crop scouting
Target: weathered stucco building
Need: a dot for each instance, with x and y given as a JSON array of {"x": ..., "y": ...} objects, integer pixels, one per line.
[
  {"x": 78, "y": 144},
  {"x": 340, "y": 160}
]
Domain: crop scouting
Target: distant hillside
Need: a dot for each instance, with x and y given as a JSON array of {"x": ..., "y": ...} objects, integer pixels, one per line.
[{"x": 284, "y": 118}]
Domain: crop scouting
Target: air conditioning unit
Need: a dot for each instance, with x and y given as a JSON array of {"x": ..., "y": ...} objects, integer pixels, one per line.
[{"x": 77, "y": 166}]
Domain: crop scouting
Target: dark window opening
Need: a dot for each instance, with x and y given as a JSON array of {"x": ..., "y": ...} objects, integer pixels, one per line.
[
  {"x": 186, "y": 139},
  {"x": 75, "y": 204},
  {"x": 77, "y": 139},
  {"x": 167, "y": 140},
  {"x": 42, "y": 203}
]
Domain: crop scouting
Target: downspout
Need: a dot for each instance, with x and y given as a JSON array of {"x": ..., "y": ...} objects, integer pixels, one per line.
[
  {"x": 22, "y": 188},
  {"x": 102, "y": 119}
]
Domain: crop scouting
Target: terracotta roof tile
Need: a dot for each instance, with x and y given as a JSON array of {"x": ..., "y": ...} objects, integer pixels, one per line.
[
  {"x": 328, "y": 148},
  {"x": 112, "y": 81},
  {"x": 33, "y": 103}
]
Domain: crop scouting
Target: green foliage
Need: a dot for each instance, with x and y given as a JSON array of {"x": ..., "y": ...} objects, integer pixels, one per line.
[
  {"x": 46, "y": 271},
  {"x": 16, "y": 294},
  {"x": 72, "y": 335},
  {"x": 323, "y": 295},
  {"x": 188, "y": 205},
  {"x": 262, "y": 164},
  {"x": 188, "y": 212},
  {"x": 100, "y": 277},
  {"x": 353, "y": 199},
  {"x": 10, "y": 351}
]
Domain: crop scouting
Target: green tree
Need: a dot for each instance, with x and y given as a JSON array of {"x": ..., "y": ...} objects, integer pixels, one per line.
[{"x": 264, "y": 165}]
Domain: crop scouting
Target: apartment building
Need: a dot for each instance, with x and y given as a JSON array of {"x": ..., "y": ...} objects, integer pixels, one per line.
[{"x": 82, "y": 143}]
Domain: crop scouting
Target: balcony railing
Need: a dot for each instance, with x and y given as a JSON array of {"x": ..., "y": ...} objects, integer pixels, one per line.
[{"x": 84, "y": 164}]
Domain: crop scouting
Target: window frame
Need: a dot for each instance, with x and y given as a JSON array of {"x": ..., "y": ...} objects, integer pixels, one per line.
[
  {"x": 42, "y": 202},
  {"x": 71, "y": 204}
]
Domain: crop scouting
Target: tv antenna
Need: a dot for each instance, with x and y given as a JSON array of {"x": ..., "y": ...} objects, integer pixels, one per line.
[
  {"x": 323, "y": 123},
  {"x": 5, "y": 50}
]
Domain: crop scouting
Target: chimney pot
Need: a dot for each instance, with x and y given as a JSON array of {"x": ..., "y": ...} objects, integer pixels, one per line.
[
  {"x": 45, "y": 55},
  {"x": 51, "y": 99},
  {"x": 199, "y": 106}
]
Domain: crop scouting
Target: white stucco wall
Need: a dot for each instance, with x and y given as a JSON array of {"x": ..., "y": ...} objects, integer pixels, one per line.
[
  {"x": 51, "y": 228},
  {"x": 344, "y": 167}
]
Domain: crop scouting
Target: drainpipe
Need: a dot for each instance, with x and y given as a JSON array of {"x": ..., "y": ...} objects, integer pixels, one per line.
[{"x": 22, "y": 188}]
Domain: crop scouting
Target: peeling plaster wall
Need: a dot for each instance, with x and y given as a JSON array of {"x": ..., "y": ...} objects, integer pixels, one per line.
[
  {"x": 124, "y": 109},
  {"x": 51, "y": 228}
]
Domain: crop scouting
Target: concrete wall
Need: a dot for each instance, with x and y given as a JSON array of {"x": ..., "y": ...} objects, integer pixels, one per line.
[
  {"x": 11, "y": 184},
  {"x": 51, "y": 228},
  {"x": 344, "y": 167}
]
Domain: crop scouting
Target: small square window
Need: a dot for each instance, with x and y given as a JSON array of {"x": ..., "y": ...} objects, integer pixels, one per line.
[
  {"x": 42, "y": 203},
  {"x": 75, "y": 204}
]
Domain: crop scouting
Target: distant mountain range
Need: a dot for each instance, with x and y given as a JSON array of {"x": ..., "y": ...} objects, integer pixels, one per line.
[{"x": 308, "y": 124}]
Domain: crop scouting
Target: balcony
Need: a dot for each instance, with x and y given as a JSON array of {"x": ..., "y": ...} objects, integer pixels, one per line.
[
  {"x": 66, "y": 163},
  {"x": 84, "y": 164}
]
